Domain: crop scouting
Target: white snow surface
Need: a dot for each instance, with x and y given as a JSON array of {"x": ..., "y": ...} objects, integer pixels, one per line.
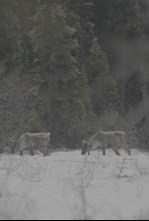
[{"x": 69, "y": 186}]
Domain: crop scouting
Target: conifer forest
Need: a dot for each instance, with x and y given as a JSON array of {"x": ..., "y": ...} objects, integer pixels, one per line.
[{"x": 73, "y": 67}]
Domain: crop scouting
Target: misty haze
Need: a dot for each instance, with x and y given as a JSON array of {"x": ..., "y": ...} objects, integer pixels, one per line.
[{"x": 74, "y": 109}]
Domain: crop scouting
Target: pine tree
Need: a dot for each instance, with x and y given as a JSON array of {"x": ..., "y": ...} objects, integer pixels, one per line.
[
  {"x": 103, "y": 87},
  {"x": 92, "y": 59},
  {"x": 9, "y": 34},
  {"x": 54, "y": 42},
  {"x": 25, "y": 10}
]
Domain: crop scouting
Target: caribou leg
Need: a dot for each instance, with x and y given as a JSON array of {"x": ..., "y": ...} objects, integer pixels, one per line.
[
  {"x": 21, "y": 153},
  {"x": 127, "y": 150},
  {"x": 103, "y": 150},
  {"x": 116, "y": 151},
  {"x": 31, "y": 151}
]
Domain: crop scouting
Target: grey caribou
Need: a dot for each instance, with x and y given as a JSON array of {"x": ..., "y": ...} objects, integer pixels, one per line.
[
  {"x": 34, "y": 141},
  {"x": 106, "y": 140}
]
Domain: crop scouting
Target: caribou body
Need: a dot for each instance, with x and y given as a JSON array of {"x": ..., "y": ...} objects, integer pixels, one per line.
[
  {"x": 34, "y": 141},
  {"x": 105, "y": 140}
]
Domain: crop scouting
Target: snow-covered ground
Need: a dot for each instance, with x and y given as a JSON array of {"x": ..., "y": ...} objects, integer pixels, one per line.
[{"x": 67, "y": 185}]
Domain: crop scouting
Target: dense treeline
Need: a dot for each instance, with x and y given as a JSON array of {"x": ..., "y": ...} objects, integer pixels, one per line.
[{"x": 87, "y": 62}]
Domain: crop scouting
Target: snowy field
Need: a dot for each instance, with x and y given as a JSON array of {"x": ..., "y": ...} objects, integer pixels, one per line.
[{"x": 67, "y": 185}]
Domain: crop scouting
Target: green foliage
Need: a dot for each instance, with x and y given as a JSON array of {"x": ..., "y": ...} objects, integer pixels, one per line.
[
  {"x": 103, "y": 87},
  {"x": 9, "y": 34},
  {"x": 86, "y": 57},
  {"x": 66, "y": 86},
  {"x": 118, "y": 17}
]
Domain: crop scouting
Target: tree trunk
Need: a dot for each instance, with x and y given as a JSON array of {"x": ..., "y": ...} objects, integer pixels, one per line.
[
  {"x": 146, "y": 108},
  {"x": 48, "y": 103}
]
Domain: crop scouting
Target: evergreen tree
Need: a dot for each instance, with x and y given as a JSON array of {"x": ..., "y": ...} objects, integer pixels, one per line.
[
  {"x": 65, "y": 98},
  {"x": 118, "y": 17},
  {"x": 103, "y": 87},
  {"x": 9, "y": 34},
  {"x": 84, "y": 57},
  {"x": 25, "y": 10}
]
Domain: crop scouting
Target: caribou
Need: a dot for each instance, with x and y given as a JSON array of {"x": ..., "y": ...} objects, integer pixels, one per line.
[
  {"x": 34, "y": 141},
  {"x": 106, "y": 140}
]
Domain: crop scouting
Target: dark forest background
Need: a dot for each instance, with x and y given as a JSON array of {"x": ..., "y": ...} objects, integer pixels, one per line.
[{"x": 72, "y": 67}]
